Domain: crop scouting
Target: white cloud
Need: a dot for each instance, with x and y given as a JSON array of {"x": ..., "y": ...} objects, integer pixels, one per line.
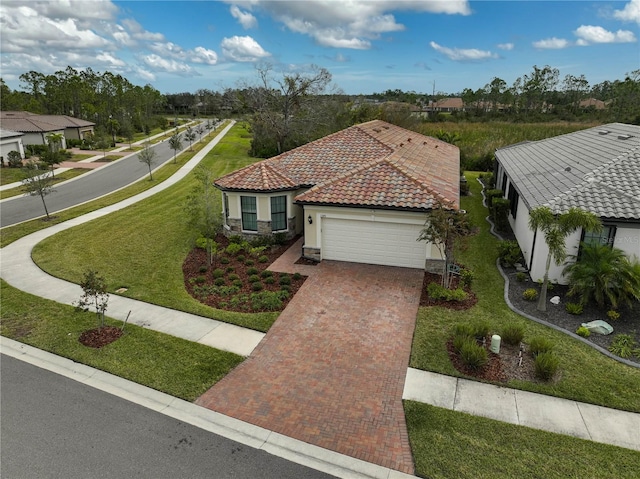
[
  {"x": 157, "y": 63},
  {"x": 203, "y": 55},
  {"x": 242, "y": 49},
  {"x": 589, "y": 34},
  {"x": 351, "y": 24},
  {"x": 505, "y": 46},
  {"x": 630, "y": 12},
  {"x": 144, "y": 74},
  {"x": 463, "y": 55},
  {"x": 245, "y": 19},
  {"x": 110, "y": 60},
  {"x": 551, "y": 44}
]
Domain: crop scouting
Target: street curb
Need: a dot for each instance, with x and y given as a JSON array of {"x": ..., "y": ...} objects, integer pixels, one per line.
[{"x": 273, "y": 443}]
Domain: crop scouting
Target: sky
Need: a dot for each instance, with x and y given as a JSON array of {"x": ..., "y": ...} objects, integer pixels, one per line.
[{"x": 368, "y": 46}]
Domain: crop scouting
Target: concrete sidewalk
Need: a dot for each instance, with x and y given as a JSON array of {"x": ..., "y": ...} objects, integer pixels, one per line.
[{"x": 537, "y": 411}]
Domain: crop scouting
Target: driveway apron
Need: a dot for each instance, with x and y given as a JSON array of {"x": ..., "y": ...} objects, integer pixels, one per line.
[{"x": 331, "y": 370}]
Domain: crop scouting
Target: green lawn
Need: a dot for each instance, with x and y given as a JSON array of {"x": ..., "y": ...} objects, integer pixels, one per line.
[
  {"x": 80, "y": 156},
  {"x": 172, "y": 365},
  {"x": 142, "y": 247},
  {"x": 586, "y": 375},
  {"x": 448, "y": 444}
]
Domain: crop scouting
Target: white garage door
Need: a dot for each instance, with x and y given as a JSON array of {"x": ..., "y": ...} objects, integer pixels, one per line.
[{"x": 373, "y": 242}]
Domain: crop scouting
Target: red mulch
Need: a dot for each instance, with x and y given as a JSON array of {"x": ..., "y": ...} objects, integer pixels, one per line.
[
  {"x": 197, "y": 259},
  {"x": 96, "y": 338}
]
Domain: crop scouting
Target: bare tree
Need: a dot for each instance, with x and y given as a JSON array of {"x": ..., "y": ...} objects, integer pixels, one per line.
[
  {"x": 37, "y": 183},
  {"x": 175, "y": 143},
  {"x": 147, "y": 156},
  {"x": 189, "y": 135},
  {"x": 94, "y": 294}
]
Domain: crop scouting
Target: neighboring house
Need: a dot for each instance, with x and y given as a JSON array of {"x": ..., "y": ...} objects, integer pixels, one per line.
[
  {"x": 10, "y": 141},
  {"x": 592, "y": 103},
  {"x": 357, "y": 195},
  {"x": 597, "y": 170},
  {"x": 447, "y": 105},
  {"x": 36, "y": 127}
]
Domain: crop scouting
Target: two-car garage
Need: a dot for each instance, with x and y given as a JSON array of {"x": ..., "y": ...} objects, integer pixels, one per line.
[{"x": 373, "y": 242}]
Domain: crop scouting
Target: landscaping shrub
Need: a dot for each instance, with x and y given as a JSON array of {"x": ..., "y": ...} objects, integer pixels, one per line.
[
  {"x": 233, "y": 277},
  {"x": 546, "y": 364},
  {"x": 254, "y": 278},
  {"x": 438, "y": 292},
  {"x": 464, "y": 329},
  {"x": 237, "y": 283},
  {"x": 236, "y": 239},
  {"x": 458, "y": 341},
  {"x": 233, "y": 248},
  {"x": 280, "y": 238},
  {"x": 266, "y": 300},
  {"x": 612, "y": 314},
  {"x": 491, "y": 194},
  {"x": 240, "y": 258},
  {"x": 520, "y": 276},
  {"x": 230, "y": 269},
  {"x": 252, "y": 270},
  {"x": 269, "y": 280},
  {"x": 573, "y": 308},
  {"x": 249, "y": 262},
  {"x": 201, "y": 242},
  {"x": 218, "y": 273},
  {"x": 200, "y": 279},
  {"x": 583, "y": 331},
  {"x": 257, "y": 286},
  {"x": 472, "y": 354},
  {"x": 622, "y": 345},
  {"x": 530, "y": 294},
  {"x": 203, "y": 269},
  {"x": 219, "y": 281},
  {"x": 480, "y": 329},
  {"x": 297, "y": 276},
  {"x": 466, "y": 277},
  {"x": 285, "y": 287},
  {"x": 285, "y": 280},
  {"x": 263, "y": 259},
  {"x": 538, "y": 345},
  {"x": 14, "y": 160},
  {"x": 257, "y": 250},
  {"x": 224, "y": 260},
  {"x": 509, "y": 253},
  {"x": 512, "y": 334},
  {"x": 500, "y": 212},
  {"x": 266, "y": 273}
]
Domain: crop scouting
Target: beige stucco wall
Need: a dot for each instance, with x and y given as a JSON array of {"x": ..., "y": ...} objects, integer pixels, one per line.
[{"x": 263, "y": 205}]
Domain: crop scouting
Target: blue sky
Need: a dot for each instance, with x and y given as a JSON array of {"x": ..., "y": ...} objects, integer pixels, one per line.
[{"x": 368, "y": 46}]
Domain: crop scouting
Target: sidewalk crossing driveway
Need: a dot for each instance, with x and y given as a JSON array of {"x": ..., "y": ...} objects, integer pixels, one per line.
[{"x": 331, "y": 370}]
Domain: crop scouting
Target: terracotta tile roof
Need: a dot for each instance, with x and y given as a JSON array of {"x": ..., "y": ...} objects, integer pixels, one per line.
[{"x": 371, "y": 164}]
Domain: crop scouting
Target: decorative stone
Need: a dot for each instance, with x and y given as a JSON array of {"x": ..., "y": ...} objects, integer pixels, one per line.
[
  {"x": 555, "y": 300},
  {"x": 598, "y": 326}
]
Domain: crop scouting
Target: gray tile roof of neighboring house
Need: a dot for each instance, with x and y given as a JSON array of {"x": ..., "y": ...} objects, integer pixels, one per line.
[
  {"x": 32, "y": 122},
  {"x": 9, "y": 133},
  {"x": 597, "y": 169},
  {"x": 372, "y": 164}
]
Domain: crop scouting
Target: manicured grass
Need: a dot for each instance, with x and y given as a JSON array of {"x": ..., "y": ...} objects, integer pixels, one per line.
[
  {"x": 143, "y": 247},
  {"x": 10, "y": 175},
  {"x": 586, "y": 375},
  {"x": 59, "y": 178},
  {"x": 448, "y": 444},
  {"x": 172, "y": 365},
  {"x": 11, "y": 233},
  {"x": 80, "y": 156}
]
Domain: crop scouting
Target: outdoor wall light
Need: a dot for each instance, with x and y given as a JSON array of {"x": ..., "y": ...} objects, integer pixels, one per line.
[{"x": 310, "y": 220}]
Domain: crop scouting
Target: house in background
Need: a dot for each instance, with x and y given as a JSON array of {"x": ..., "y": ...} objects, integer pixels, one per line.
[
  {"x": 10, "y": 141},
  {"x": 597, "y": 170},
  {"x": 358, "y": 195},
  {"x": 36, "y": 127}
]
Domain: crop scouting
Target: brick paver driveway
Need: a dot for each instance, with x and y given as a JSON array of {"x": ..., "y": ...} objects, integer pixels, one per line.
[{"x": 331, "y": 370}]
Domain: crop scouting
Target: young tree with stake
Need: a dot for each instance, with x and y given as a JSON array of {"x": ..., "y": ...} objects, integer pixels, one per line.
[{"x": 147, "y": 156}]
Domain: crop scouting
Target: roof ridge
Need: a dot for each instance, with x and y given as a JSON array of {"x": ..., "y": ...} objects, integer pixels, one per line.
[
  {"x": 611, "y": 162},
  {"x": 348, "y": 173},
  {"x": 421, "y": 185}
]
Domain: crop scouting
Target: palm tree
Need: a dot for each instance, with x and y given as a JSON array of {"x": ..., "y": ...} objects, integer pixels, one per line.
[
  {"x": 556, "y": 228},
  {"x": 604, "y": 274},
  {"x": 175, "y": 143}
]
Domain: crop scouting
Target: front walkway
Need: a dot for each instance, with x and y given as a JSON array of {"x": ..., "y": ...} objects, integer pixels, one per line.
[{"x": 331, "y": 370}]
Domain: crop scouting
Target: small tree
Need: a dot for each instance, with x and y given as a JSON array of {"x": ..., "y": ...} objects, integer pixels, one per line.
[
  {"x": 175, "y": 143},
  {"x": 203, "y": 209},
  {"x": 113, "y": 126},
  {"x": 37, "y": 183},
  {"x": 443, "y": 227},
  {"x": 200, "y": 132},
  {"x": 147, "y": 156},
  {"x": 189, "y": 135},
  {"x": 94, "y": 295},
  {"x": 556, "y": 228},
  {"x": 52, "y": 155},
  {"x": 208, "y": 126}
]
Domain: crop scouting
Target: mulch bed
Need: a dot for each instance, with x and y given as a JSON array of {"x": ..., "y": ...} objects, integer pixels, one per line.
[
  {"x": 99, "y": 337},
  {"x": 425, "y": 300},
  {"x": 197, "y": 260},
  {"x": 557, "y": 315}
]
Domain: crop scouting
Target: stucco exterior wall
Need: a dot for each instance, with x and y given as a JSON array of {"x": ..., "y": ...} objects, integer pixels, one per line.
[{"x": 11, "y": 144}]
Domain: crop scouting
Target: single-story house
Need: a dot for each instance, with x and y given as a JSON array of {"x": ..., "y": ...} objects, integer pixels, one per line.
[
  {"x": 597, "y": 170},
  {"x": 37, "y": 127},
  {"x": 358, "y": 195},
  {"x": 10, "y": 141}
]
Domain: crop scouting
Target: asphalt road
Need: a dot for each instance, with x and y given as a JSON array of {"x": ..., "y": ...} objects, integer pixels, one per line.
[
  {"x": 52, "y": 426},
  {"x": 84, "y": 188}
]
